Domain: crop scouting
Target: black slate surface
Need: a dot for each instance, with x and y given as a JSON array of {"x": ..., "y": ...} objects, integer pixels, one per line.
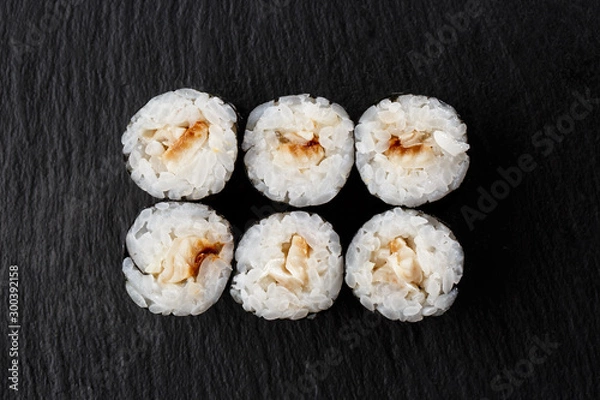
[{"x": 525, "y": 324}]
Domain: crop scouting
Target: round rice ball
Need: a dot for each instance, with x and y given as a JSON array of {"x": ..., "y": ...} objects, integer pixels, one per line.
[
  {"x": 182, "y": 145},
  {"x": 299, "y": 149},
  {"x": 411, "y": 150},
  {"x": 405, "y": 265},
  {"x": 179, "y": 258},
  {"x": 288, "y": 265}
]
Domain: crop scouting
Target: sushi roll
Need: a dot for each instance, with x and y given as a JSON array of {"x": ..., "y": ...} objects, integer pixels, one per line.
[
  {"x": 405, "y": 265},
  {"x": 179, "y": 258},
  {"x": 299, "y": 149},
  {"x": 181, "y": 145},
  {"x": 411, "y": 150},
  {"x": 288, "y": 265}
]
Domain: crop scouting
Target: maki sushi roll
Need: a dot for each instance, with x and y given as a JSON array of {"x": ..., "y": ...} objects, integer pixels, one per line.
[
  {"x": 179, "y": 258},
  {"x": 299, "y": 149},
  {"x": 411, "y": 150},
  {"x": 182, "y": 145},
  {"x": 288, "y": 265},
  {"x": 405, "y": 265}
]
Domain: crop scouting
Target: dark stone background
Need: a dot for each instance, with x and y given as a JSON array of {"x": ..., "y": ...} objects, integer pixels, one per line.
[{"x": 75, "y": 71}]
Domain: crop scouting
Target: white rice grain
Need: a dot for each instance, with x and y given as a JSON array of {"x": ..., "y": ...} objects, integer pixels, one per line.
[
  {"x": 179, "y": 258},
  {"x": 404, "y": 264},
  {"x": 288, "y": 266},
  {"x": 299, "y": 149},
  {"x": 411, "y": 150},
  {"x": 182, "y": 144}
]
